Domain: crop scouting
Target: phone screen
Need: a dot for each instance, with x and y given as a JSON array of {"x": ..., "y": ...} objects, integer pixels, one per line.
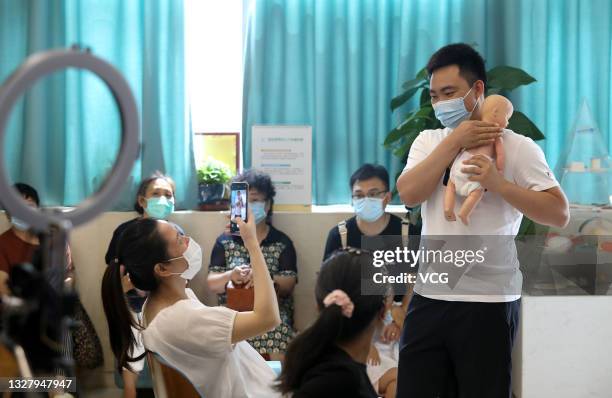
[{"x": 238, "y": 204}]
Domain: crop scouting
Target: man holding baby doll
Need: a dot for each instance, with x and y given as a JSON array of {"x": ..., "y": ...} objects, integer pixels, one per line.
[{"x": 458, "y": 336}]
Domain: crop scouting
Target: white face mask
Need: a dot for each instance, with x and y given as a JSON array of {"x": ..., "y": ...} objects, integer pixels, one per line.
[{"x": 193, "y": 256}]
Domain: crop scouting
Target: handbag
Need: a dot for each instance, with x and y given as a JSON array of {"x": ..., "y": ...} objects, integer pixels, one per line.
[
  {"x": 239, "y": 298},
  {"x": 87, "y": 350}
]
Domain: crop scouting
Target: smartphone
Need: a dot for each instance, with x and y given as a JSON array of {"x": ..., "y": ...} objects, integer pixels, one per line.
[{"x": 239, "y": 202}]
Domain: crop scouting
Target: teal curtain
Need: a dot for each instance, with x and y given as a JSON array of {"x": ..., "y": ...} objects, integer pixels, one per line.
[
  {"x": 64, "y": 134},
  {"x": 336, "y": 65}
]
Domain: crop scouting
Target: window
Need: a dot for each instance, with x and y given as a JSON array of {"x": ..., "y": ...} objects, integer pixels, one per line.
[{"x": 213, "y": 62}]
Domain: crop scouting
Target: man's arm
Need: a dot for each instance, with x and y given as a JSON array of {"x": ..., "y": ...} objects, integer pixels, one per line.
[
  {"x": 548, "y": 207},
  {"x": 417, "y": 184},
  {"x": 424, "y": 170}
]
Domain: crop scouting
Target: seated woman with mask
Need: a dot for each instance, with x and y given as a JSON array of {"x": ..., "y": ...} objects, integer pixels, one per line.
[
  {"x": 230, "y": 262},
  {"x": 154, "y": 199},
  {"x": 206, "y": 344}
]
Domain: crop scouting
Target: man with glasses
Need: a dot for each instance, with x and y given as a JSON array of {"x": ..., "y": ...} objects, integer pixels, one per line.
[{"x": 371, "y": 195}]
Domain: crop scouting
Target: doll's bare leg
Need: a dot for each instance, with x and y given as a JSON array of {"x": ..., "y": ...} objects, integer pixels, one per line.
[
  {"x": 449, "y": 202},
  {"x": 468, "y": 205},
  {"x": 500, "y": 158}
]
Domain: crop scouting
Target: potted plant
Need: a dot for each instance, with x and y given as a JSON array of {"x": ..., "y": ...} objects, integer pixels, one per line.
[
  {"x": 501, "y": 79},
  {"x": 213, "y": 177}
]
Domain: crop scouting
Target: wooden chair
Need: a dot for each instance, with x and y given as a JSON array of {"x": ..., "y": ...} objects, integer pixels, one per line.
[{"x": 169, "y": 382}]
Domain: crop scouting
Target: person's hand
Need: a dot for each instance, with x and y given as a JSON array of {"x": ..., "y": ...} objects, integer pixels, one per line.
[
  {"x": 4, "y": 289},
  {"x": 248, "y": 233},
  {"x": 484, "y": 171},
  {"x": 399, "y": 315},
  {"x": 373, "y": 356},
  {"x": 69, "y": 264},
  {"x": 241, "y": 275},
  {"x": 390, "y": 333},
  {"x": 475, "y": 133},
  {"x": 247, "y": 277},
  {"x": 126, "y": 282}
]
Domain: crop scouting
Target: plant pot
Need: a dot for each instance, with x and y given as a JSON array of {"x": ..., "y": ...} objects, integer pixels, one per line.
[{"x": 211, "y": 193}]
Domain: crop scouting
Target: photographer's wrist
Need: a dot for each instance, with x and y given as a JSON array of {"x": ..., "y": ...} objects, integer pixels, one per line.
[{"x": 251, "y": 245}]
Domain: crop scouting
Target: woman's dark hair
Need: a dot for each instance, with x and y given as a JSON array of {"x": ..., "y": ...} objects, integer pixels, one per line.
[
  {"x": 368, "y": 171},
  {"x": 262, "y": 183},
  {"x": 28, "y": 192},
  {"x": 140, "y": 247},
  {"x": 341, "y": 271},
  {"x": 470, "y": 62},
  {"x": 144, "y": 185}
]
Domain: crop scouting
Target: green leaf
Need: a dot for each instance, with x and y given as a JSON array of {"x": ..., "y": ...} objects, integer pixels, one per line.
[
  {"x": 402, "y": 98},
  {"x": 519, "y": 123},
  {"x": 527, "y": 227},
  {"x": 508, "y": 78},
  {"x": 422, "y": 74},
  {"x": 402, "y": 131},
  {"x": 402, "y": 151},
  {"x": 415, "y": 120},
  {"x": 425, "y": 97},
  {"x": 425, "y": 112},
  {"x": 214, "y": 172},
  {"x": 399, "y": 131}
]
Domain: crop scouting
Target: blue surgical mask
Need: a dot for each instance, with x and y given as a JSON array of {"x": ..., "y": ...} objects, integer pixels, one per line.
[
  {"x": 369, "y": 209},
  {"x": 452, "y": 112},
  {"x": 259, "y": 211},
  {"x": 20, "y": 224},
  {"x": 159, "y": 207}
]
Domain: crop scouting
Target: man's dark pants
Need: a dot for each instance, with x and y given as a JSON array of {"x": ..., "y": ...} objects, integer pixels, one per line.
[{"x": 457, "y": 349}]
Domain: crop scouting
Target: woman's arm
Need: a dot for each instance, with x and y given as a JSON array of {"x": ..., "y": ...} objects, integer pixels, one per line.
[
  {"x": 286, "y": 279},
  {"x": 265, "y": 315},
  {"x": 218, "y": 280},
  {"x": 284, "y": 284}
]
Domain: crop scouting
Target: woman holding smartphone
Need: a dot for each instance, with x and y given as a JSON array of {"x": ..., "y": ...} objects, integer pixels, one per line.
[
  {"x": 206, "y": 344},
  {"x": 230, "y": 262}
]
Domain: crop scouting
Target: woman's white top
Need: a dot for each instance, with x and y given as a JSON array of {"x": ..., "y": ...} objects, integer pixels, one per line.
[{"x": 196, "y": 340}]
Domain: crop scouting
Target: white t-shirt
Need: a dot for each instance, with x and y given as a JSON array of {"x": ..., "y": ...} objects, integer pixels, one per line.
[
  {"x": 196, "y": 340},
  {"x": 525, "y": 165}
]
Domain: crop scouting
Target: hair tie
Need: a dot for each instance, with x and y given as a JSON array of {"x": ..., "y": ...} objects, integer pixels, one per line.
[{"x": 341, "y": 299}]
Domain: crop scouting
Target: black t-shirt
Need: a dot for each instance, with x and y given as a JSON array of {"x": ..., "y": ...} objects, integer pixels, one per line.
[
  {"x": 134, "y": 299},
  {"x": 336, "y": 375},
  {"x": 354, "y": 234}
]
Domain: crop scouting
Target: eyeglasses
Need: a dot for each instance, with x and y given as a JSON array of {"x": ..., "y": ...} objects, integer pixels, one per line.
[{"x": 371, "y": 195}]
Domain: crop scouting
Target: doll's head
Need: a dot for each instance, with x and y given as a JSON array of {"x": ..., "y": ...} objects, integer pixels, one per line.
[{"x": 497, "y": 109}]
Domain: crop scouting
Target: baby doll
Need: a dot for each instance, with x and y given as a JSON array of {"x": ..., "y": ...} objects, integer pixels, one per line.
[{"x": 495, "y": 109}]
